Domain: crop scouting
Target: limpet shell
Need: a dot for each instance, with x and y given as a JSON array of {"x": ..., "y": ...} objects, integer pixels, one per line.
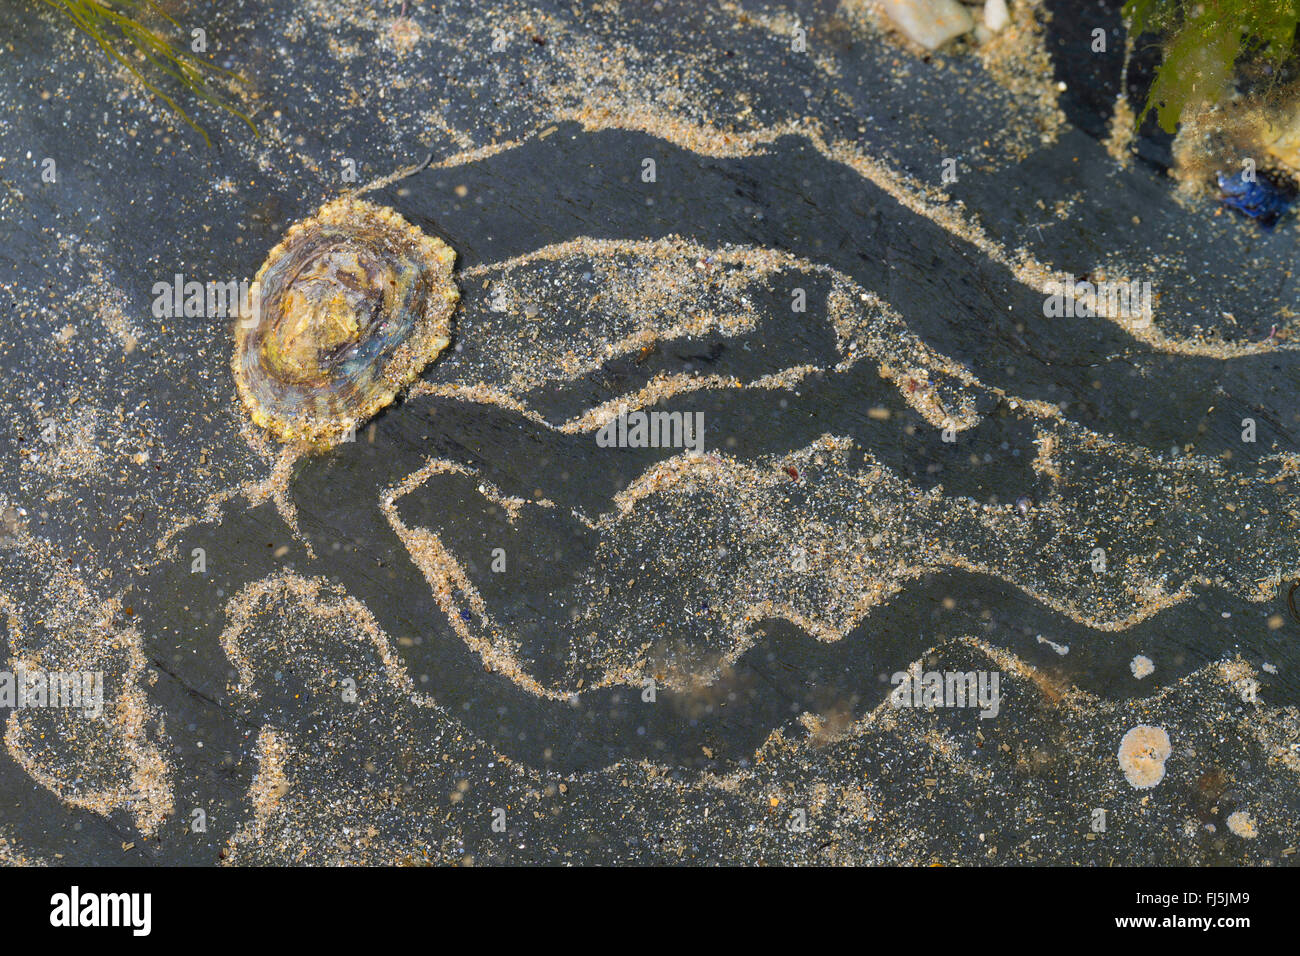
[{"x": 355, "y": 302}]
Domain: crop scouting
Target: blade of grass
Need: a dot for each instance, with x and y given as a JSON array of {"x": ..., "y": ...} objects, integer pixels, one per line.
[{"x": 115, "y": 28}]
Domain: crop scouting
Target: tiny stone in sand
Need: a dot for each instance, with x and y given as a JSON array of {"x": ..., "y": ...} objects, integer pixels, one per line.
[
  {"x": 996, "y": 15},
  {"x": 931, "y": 23}
]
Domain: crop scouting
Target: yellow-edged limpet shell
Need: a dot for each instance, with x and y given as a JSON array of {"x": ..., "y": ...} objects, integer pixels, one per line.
[{"x": 354, "y": 303}]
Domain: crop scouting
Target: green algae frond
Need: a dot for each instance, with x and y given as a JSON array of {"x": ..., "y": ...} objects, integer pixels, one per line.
[{"x": 1204, "y": 42}]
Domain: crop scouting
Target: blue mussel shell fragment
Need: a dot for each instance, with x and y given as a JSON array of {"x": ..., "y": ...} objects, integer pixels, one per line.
[{"x": 1257, "y": 198}]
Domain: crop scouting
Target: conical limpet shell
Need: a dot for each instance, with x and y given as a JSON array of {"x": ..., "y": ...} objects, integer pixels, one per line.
[{"x": 355, "y": 302}]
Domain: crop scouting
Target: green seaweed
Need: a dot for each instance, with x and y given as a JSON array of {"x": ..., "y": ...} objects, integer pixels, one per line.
[
  {"x": 1204, "y": 42},
  {"x": 116, "y": 26}
]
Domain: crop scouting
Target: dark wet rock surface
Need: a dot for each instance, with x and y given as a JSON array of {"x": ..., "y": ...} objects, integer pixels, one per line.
[{"x": 149, "y": 435}]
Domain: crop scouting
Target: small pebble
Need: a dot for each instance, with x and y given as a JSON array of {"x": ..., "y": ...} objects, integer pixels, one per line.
[
  {"x": 996, "y": 15},
  {"x": 931, "y": 23}
]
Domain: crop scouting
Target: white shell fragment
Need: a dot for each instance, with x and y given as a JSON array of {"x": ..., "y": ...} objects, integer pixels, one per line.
[{"x": 931, "y": 23}]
